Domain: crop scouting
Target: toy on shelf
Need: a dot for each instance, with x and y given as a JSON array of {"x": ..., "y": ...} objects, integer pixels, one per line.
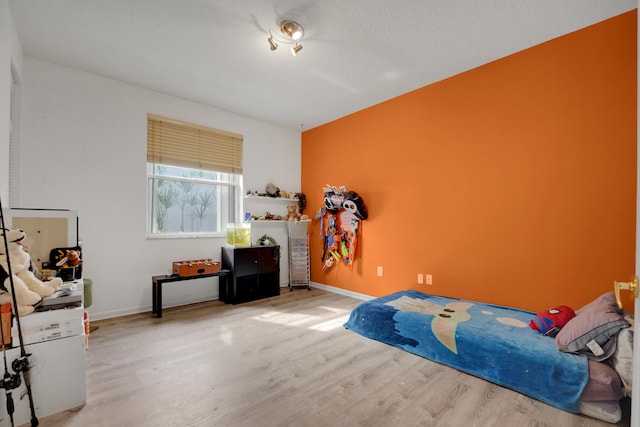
[
  {"x": 293, "y": 212},
  {"x": 275, "y": 192},
  {"x": 339, "y": 225},
  {"x": 67, "y": 263},
  {"x": 268, "y": 216}
]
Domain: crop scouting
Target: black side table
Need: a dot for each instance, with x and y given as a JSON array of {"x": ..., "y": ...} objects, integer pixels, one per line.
[{"x": 158, "y": 281}]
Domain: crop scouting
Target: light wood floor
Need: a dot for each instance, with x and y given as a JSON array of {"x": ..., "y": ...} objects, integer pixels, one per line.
[{"x": 284, "y": 361}]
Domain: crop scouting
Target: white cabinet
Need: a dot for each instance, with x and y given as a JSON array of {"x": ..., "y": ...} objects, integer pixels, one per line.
[
  {"x": 58, "y": 366},
  {"x": 58, "y": 379}
]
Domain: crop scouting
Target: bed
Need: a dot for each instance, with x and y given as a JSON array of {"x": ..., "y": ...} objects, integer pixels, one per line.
[{"x": 573, "y": 371}]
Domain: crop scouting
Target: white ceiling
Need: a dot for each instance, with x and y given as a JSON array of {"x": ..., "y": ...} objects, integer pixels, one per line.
[{"x": 356, "y": 53}]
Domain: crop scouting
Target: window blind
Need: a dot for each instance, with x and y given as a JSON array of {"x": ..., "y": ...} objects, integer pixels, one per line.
[{"x": 178, "y": 143}]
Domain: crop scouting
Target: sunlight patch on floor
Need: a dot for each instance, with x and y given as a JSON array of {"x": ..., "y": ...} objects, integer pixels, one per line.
[
  {"x": 331, "y": 324},
  {"x": 226, "y": 335},
  {"x": 302, "y": 319},
  {"x": 334, "y": 310},
  {"x": 280, "y": 318}
]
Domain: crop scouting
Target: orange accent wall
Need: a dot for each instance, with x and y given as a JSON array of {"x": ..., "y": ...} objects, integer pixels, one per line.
[{"x": 513, "y": 183}]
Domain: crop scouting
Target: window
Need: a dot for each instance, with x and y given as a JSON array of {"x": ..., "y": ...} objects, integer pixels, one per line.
[{"x": 194, "y": 178}]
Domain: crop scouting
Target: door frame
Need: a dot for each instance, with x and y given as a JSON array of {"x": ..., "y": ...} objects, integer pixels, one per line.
[{"x": 635, "y": 397}]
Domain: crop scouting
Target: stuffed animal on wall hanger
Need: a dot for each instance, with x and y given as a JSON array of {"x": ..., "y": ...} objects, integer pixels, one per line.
[
  {"x": 340, "y": 219},
  {"x": 333, "y": 197},
  {"x": 354, "y": 204}
]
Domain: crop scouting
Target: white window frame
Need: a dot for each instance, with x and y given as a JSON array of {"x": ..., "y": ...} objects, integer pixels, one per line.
[{"x": 228, "y": 212}]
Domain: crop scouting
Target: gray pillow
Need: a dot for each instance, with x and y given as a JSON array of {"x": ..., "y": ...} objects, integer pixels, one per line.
[
  {"x": 592, "y": 332},
  {"x": 604, "y": 384}
]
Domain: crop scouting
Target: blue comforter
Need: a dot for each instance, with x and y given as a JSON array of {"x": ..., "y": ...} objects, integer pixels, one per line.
[{"x": 489, "y": 341}]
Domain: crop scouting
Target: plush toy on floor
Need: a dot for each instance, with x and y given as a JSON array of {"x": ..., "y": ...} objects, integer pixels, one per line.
[{"x": 28, "y": 288}]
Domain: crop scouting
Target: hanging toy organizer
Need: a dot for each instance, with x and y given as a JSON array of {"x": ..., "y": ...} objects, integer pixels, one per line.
[{"x": 299, "y": 272}]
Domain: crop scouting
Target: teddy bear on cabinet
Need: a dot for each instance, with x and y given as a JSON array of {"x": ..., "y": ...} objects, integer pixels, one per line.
[
  {"x": 29, "y": 290},
  {"x": 292, "y": 213}
]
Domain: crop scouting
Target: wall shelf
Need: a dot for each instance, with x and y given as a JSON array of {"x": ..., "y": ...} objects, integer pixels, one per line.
[
  {"x": 279, "y": 221},
  {"x": 280, "y": 199}
]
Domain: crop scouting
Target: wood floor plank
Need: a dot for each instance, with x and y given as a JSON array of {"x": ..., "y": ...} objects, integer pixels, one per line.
[{"x": 284, "y": 361}]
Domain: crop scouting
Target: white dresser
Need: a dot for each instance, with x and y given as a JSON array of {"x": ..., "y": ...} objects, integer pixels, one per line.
[{"x": 58, "y": 366}]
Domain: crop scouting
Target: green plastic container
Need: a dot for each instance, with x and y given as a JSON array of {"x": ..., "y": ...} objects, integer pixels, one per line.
[{"x": 88, "y": 297}]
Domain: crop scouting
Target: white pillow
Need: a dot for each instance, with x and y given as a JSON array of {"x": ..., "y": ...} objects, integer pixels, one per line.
[
  {"x": 605, "y": 411},
  {"x": 622, "y": 359}
]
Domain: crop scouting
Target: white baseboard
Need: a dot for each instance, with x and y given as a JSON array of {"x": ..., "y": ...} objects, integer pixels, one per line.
[
  {"x": 169, "y": 304},
  {"x": 341, "y": 291}
]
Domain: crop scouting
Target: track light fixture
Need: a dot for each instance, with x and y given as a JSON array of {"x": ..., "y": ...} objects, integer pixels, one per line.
[
  {"x": 272, "y": 42},
  {"x": 292, "y": 29},
  {"x": 292, "y": 33}
]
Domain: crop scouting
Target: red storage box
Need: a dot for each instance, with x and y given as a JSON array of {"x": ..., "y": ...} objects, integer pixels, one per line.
[
  {"x": 195, "y": 267},
  {"x": 5, "y": 324}
]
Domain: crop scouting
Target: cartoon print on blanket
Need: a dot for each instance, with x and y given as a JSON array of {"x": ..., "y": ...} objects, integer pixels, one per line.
[
  {"x": 489, "y": 341},
  {"x": 445, "y": 319}
]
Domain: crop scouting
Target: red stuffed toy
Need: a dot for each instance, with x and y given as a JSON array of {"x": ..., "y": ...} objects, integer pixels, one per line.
[{"x": 549, "y": 322}]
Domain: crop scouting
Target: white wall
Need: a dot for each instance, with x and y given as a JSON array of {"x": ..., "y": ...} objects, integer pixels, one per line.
[
  {"x": 10, "y": 57},
  {"x": 83, "y": 146}
]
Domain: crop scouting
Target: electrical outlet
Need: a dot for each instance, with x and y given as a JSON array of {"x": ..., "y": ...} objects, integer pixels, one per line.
[
  {"x": 380, "y": 270},
  {"x": 420, "y": 279},
  {"x": 429, "y": 279}
]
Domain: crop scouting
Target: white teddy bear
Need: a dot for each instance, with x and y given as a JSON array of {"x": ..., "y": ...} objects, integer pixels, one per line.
[{"x": 28, "y": 288}]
